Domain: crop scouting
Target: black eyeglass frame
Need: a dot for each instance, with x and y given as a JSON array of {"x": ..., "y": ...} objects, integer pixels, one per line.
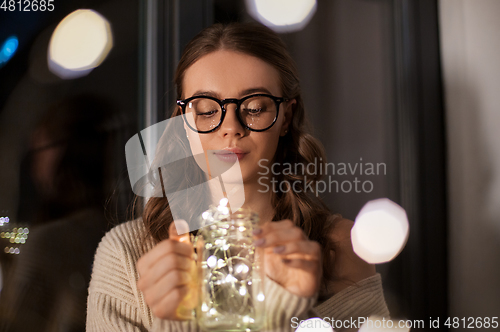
[{"x": 238, "y": 102}]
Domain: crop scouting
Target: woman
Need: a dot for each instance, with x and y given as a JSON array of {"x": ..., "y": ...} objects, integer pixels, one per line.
[
  {"x": 67, "y": 167},
  {"x": 309, "y": 263}
]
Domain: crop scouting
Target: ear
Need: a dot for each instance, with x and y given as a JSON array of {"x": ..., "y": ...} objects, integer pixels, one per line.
[{"x": 287, "y": 116}]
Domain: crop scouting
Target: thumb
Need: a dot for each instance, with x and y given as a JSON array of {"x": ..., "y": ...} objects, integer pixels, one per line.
[{"x": 179, "y": 231}]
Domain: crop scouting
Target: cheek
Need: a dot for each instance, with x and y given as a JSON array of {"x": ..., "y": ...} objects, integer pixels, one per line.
[
  {"x": 208, "y": 142},
  {"x": 198, "y": 142},
  {"x": 268, "y": 145}
]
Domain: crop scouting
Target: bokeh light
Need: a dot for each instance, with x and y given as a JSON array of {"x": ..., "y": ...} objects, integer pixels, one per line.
[
  {"x": 380, "y": 231},
  {"x": 9, "y": 48},
  {"x": 13, "y": 237},
  {"x": 282, "y": 15},
  {"x": 80, "y": 42},
  {"x": 4, "y": 220}
]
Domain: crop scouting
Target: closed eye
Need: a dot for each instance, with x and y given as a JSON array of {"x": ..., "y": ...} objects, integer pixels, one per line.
[
  {"x": 207, "y": 114},
  {"x": 254, "y": 111}
]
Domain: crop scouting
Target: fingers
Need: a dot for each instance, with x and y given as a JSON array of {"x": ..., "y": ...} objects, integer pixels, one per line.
[
  {"x": 163, "y": 306},
  {"x": 163, "y": 267},
  {"x": 286, "y": 239},
  {"x": 162, "y": 249},
  {"x": 279, "y": 237},
  {"x": 176, "y": 244},
  {"x": 309, "y": 250},
  {"x": 278, "y": 232},
  {"x": 166, "y": 271},
  {"x": 179, "y": 231},
  {"x": 304, "y": 264},
  {"x": 165, "y": 286},
  {"x": 277, "y": 225}
]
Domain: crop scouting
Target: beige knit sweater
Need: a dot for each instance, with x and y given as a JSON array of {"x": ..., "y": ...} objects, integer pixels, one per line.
[{"x": 116, "y": 304}]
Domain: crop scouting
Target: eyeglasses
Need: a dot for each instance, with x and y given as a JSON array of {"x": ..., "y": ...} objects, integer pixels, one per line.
[{"x": 204, "y": 114}]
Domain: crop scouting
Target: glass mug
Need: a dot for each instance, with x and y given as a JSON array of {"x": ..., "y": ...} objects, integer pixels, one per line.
[{"x": 230, "y": 272}]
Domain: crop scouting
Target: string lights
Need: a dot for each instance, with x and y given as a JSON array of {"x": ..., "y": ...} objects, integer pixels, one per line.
[{"x": 231, "y": 290}]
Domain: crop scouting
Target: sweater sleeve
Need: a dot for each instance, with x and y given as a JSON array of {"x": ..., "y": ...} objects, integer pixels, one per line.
[
  {"x": 362, "y": 300},
  {"x": 111, "y": 303},
  {"x": 115, "y": 304},
  {"x": 282, "y": 306}
]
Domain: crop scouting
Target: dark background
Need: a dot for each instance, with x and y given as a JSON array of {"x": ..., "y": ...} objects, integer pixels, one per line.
[{"x": 371, "y": 80}]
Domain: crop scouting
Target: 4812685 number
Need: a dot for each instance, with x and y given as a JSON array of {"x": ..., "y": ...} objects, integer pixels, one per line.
[
  {"x": 471, "y": 322},
  {"x": 27, "y": 5}
]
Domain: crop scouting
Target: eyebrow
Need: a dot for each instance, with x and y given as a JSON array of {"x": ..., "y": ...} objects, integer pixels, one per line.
[{"x": 246, "y": 92}]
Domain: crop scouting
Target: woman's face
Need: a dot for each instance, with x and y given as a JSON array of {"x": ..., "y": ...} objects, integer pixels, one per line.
[
  {"x": 46, "y": 159},
  {"x": 228, "y": 74}
]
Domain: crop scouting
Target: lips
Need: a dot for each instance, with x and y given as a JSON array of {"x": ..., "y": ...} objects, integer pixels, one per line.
[{"x": 230, "y": 155}]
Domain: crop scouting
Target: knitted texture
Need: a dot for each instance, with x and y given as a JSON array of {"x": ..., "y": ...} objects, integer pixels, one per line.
[{"x": 116, "y": 304}]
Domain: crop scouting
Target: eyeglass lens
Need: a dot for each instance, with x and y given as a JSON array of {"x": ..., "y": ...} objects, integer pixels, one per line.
[{"x": 256, "y": 112}]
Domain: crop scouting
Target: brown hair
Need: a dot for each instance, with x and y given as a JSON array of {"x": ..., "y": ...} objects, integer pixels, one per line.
[{"x": 297, "y": 147}]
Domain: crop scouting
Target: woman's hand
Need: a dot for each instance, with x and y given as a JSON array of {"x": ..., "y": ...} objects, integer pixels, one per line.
[
  {"x": 290, "y": 258},
  {"x": 165, "y": 274},
  {"x": 348, "y": 267}
]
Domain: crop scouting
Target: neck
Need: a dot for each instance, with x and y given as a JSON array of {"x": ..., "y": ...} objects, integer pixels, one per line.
[
  {"x": 256, "y": 199},
  {"x": 259, "y": 201}
]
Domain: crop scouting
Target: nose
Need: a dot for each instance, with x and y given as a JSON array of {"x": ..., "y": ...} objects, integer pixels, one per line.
[{"x": 231, "y": 126}]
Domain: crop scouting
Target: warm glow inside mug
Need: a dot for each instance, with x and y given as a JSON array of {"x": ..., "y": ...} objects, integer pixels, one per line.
[{"x": 230, "y": 271}]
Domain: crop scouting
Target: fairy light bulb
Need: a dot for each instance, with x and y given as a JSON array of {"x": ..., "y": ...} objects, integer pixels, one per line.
[
  {"x": 222, "y": 208},
  {"x": 232, "y": 296}
]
